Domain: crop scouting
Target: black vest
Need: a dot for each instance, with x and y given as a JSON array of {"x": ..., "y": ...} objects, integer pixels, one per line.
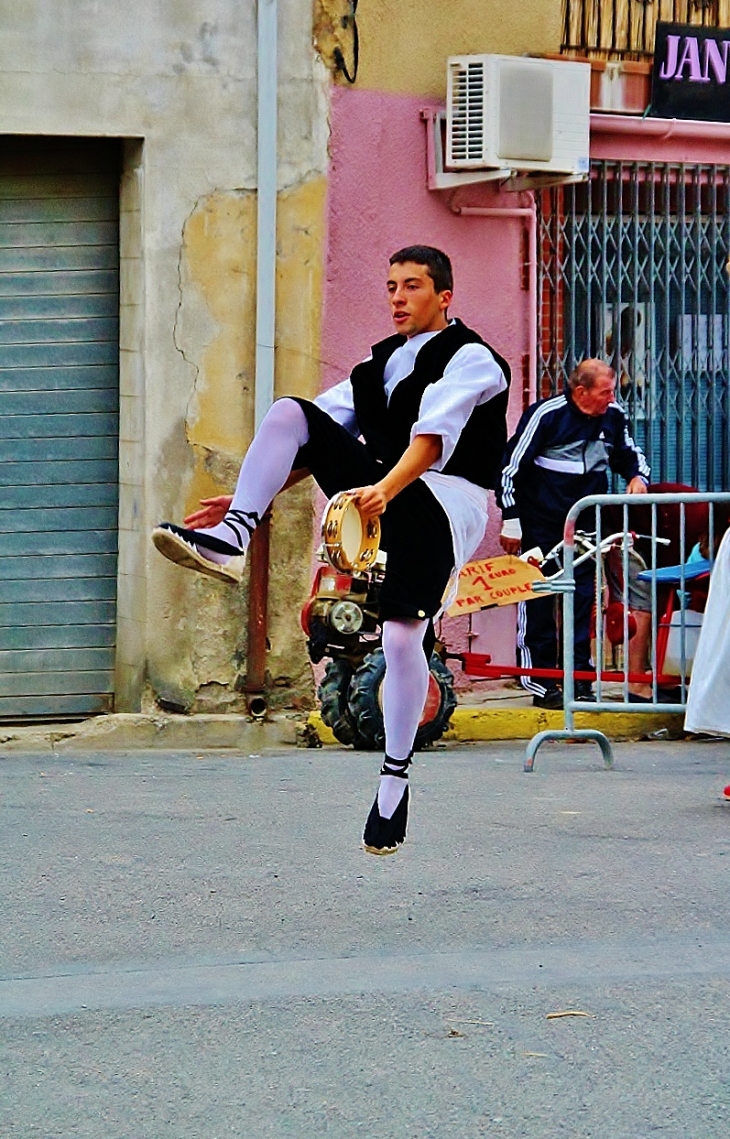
[{"x": 386, "y": 427}]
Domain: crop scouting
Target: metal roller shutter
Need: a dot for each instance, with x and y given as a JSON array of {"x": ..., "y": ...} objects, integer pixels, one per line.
[{"x": 59, "y": 399}]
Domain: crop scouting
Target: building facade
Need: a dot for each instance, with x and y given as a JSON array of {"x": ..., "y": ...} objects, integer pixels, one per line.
[{"x": 128, "y": 249}]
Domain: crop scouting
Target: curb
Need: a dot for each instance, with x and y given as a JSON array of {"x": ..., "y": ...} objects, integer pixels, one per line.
[
  {"x": 484, "y": 724},
  {"x": 127, "y": 731},
  {"x": 123, "y": 731}
]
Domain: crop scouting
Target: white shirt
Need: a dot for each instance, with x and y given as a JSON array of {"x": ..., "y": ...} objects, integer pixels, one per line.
[{"x": 471, "y": 378}]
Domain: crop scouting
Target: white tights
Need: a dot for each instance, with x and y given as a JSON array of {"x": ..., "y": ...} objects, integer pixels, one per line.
[
  {"x": 404, "y": 693},
  {"x": 264, "y": 471}
]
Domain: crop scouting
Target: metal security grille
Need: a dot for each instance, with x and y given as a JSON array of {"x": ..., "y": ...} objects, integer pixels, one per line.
[
  {"x": 624, "y": 29},
  {"x": 633, "y": 270},
  {"x": 59, "y": 398}
]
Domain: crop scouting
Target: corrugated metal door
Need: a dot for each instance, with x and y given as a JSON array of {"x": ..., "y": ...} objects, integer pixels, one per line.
[{"x": 59, "y": 399}]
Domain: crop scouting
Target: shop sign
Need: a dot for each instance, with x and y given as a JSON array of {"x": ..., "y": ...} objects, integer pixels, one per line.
[
  {"x": 495, "y": 581},
  {"x": 691, "y": 73}
]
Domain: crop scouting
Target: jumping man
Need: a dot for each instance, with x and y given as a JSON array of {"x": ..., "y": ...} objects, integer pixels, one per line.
[{"x": 418, "y": 431}]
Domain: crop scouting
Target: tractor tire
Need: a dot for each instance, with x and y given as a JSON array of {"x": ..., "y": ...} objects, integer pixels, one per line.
[
  {"x": 367, "y": 715},
  {"x": 332, "y": 695}
]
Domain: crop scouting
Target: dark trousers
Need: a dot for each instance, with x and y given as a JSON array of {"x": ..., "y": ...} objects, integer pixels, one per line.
[
  {"x": 415, "y": 530},
  {"x": 537, "y": 639}
]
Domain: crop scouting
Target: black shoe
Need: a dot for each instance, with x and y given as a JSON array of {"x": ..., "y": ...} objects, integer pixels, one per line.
[
  {"x": 384, "y": 836},
  {"x": 584, "y": 691},
  {"x": 179, "y": 545},
  {"x": 553, "y": 698}
]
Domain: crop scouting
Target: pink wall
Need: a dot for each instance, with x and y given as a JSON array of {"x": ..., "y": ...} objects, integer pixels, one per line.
[{"x": 379, "y": 202}]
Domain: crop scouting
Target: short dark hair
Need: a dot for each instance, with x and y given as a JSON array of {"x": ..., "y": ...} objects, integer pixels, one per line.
[{"x": 437, "y": 263}]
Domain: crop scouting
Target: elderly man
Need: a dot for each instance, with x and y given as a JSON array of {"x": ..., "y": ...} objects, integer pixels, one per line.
[{"x": 562, "y": 450}]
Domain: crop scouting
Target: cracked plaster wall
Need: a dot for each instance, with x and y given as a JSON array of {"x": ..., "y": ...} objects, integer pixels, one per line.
[
  {"x": 180, "y": 75},
  {"x": 217, "y": 282}
]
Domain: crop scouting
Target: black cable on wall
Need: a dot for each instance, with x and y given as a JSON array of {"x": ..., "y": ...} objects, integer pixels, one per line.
[{"x": 349, "y": 21}]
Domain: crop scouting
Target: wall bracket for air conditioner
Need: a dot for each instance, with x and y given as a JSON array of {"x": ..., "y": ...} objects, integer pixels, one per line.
[
  {"x": 533, "y": 181},
  {"x": 441, "y": 179},
  {"x": 438, "y": 178}
]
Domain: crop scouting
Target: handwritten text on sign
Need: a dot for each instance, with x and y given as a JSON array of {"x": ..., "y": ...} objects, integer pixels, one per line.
[{"x": 494, "y": 581}]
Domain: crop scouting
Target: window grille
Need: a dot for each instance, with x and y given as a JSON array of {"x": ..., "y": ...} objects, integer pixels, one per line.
[
  {"x": 632, "y": 269},
  {"x": 624, "y": 29}
]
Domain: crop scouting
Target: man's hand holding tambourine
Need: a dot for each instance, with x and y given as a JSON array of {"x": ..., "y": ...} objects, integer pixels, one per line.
[{"x": 371, "y": 500}]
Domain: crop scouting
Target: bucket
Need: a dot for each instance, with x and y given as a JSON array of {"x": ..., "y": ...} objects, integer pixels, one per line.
[{"x": 673, "y": 657}]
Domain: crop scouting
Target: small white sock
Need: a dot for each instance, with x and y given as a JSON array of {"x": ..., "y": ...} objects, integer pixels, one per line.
[
  {"x": 212, "y": 556},
  {"x": 390, "y": 792}
]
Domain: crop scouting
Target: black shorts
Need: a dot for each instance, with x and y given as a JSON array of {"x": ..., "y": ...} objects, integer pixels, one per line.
[{"x": 415, "y": 530}]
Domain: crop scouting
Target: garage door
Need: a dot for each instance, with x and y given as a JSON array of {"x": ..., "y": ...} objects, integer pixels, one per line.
[{"x": 59, "y": 398}]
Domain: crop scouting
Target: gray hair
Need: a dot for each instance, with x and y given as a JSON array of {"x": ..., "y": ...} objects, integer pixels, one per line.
[{"x": 587, "y": 372}]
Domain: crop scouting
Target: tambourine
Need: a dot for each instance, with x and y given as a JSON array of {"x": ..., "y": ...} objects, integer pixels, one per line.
[{"x": 350, "y": 542}]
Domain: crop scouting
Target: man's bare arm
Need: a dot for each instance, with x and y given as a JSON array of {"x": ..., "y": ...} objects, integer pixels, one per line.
[{"x": 417, "y": 458}]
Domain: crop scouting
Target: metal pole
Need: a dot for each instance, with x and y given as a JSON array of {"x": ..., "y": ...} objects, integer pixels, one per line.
[
  {"x": 569, "y": 627},
  {"x": 267, "y": 90},
  {"x": 266, "y": 207}
]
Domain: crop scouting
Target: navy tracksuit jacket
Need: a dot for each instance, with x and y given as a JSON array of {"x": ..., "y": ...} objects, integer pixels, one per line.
[{"x": 556, "y": 456}]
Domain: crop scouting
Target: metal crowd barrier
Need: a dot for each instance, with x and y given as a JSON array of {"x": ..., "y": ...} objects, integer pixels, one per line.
[{"x": 672, "y": 631}]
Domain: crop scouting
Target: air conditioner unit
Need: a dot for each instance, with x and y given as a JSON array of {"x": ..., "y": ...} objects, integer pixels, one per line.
[{"x": 513, "y": 111}]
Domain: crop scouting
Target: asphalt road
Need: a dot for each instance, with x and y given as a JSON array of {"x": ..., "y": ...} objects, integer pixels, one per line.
[{"x": 195, "y": 946}]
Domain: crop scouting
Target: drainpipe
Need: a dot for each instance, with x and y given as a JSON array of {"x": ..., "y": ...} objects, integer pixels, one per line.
[
  {"x": 685, "y": 129},
  {"x": 439, "y": 179},
  {"x": 267, "y": 89},
  {"x": 528, "y": 214}
]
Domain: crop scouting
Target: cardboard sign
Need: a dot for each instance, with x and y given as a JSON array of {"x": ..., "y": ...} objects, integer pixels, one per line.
[
  {"x": 691, "y": 77},
  {"x": 495, "y": 581}
]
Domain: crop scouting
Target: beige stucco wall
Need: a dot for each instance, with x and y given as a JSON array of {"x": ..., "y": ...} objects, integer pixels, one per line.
[
  {"x": 179, "y": 77},
  {"x": 403, "y": 46}
]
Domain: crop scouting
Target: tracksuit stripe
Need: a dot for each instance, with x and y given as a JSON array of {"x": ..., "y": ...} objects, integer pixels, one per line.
[
  {"x": 509, "y": 472},
  {"x": 528, "y": 682},
  {"x": 644, "y": 468}
]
